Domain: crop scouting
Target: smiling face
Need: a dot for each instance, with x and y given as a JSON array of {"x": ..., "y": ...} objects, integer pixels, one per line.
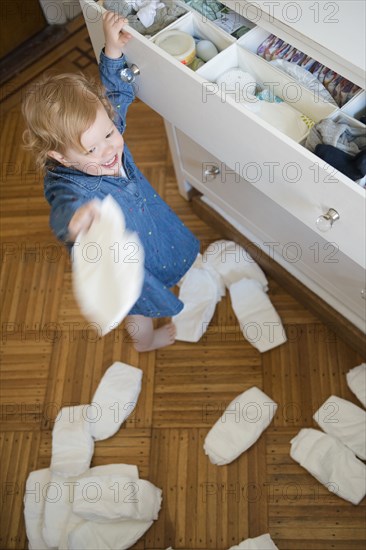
[{"x": 103, "y": 148}]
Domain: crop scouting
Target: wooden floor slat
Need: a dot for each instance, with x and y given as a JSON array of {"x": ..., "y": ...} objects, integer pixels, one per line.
[{"x": 52, "y": 358}]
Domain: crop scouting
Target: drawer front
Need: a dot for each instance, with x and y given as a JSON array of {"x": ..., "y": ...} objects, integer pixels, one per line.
[
  {"x": 315, "y": 261},
  {"x": 285, "y": 171}
]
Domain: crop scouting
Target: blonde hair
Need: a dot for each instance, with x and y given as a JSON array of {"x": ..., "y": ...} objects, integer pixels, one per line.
[{"x": 58, "y": 109}]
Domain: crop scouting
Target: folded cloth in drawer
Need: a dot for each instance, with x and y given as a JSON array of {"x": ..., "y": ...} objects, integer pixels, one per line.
[
  {"x": 200, "y": 291},
  {"x": 356, "y": 380},
  {"x": 259, "y": 321},
  {"x": 107, "y": 536},
  {"x": 112, "y": 498},
  {"x": 347, "y": 138},
  {"x": 72, "y": 443},
  {"x": 242, "y": 423},
  {"x": 233, "y": 263},
  {"x": 331, "y": 463},
  {"x": 115, "y": 399},
  {"x": 263, "y": 542},
  {"x": 34, "y": 502},
  {"x": 344, "y": 420}
]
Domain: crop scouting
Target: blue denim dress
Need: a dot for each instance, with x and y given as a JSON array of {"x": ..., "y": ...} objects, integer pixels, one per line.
[{"x": 170, "y": 247}]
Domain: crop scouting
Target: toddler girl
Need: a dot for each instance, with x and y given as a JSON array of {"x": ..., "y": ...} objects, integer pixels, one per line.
[{"x": 75, "y": 128}]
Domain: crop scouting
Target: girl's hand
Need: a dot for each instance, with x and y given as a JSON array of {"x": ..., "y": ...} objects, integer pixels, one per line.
[
  {"x": 115, "y": 38},
  {"x": 83, "y": 218}
]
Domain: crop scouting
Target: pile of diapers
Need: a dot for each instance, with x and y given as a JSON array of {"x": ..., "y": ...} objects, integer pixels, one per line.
[
  {"x": 71, "y": 506},
  {"x": 223, "y": 265},
  {"x": 263, "y": 103},
  {"x": 331, "y": 456}
]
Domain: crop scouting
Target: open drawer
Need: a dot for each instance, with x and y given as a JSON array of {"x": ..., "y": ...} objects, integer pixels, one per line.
[{"x": 281, "y": 168}]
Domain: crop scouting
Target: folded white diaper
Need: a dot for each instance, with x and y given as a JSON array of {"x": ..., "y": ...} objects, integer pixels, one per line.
[
  {"x": 331, "y": 463},
  {"x": 356, "y": 380},
  {"x": 345, "y": 421},
  {"x": 199, "y": 293},
  {"x": 58, "y": 495},
  {"x": 34, "y": 502},
  {"x": 264, "y": 542},
  {"x": 72, "y": 444},
  {"x": 107, "y": 268},
  {"x": 111, "y": 498},
  {"x": 233, "y": 263},
  {"x": 114, "y": 399},
  {"x": 242, "y": 423},
  {"x": 286, "y": 119},
  {"x": 259, "y": 321},
  {"x": 107, "y": 536}
]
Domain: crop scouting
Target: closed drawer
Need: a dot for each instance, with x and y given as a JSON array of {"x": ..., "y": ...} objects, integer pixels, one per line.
[
  {"x": 283, "y": 169},
  {"x": 316, "y": 262}
]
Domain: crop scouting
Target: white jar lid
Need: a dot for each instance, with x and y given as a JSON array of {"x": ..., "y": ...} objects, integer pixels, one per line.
[{"x": 177, "y": 43}]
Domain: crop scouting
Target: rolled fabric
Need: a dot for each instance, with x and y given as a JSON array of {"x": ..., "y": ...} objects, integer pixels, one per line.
[
  {"x": 107, "y": 536},
  {"x": 331, "y": 463},
  {"x": 114, "y": 399},
  {"x": 199, "y": 293},
  {"x": 107, "y": 268},
  {"x": 259, "y": 321},
  {"x": 356, "y": 380},
  {"x": 242, "y": 423},
  {"x": 34, "y": 503},
  {"x": 72, "y": 443},
  {"x": 264, "y": 542},
  {"x": 112, "y": 498},
  {"x": 233, "y": 263},
  {"x": 344, "y": 420}
]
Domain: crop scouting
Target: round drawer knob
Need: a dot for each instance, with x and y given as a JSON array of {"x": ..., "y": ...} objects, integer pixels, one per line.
[
  {"x": 212, "y": 171},
  {"x": 129, "y": 74},
  {"x": 324, "y": 223}
]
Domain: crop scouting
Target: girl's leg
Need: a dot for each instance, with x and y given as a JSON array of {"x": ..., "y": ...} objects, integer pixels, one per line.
[{"x": 145, "y": 337}]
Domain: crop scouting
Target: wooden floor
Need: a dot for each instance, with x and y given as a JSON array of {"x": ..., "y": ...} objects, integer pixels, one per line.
[{"x": 50, "y": 359}]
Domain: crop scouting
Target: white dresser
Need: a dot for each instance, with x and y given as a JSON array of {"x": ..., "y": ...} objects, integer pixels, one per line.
[{"x": 266, "y": 184}]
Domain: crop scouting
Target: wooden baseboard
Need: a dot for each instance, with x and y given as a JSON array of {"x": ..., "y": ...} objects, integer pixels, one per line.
[{"x": 328, "y": 315}]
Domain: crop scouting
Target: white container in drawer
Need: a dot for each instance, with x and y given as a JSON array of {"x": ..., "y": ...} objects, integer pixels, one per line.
[
  {"x": 285, "y": 171},
  {"x": 193, "y": 24}
]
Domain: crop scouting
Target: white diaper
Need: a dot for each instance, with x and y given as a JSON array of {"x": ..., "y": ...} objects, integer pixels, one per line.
[
  {"x": 259, "y": 321},
  {"x": 107, "y": 268},
  {"x": 242, "y": 423},
  {"x": 233, "y": 263},
  {"x": 107, "y": 536},
  {"x": 34, "y": 503},
  {"x": 264, "y": 542},
  {"x": 199, "y": 293},
  {"x": 344, "y": 420},
  {"x": 72, "y": 444},
  {"x": 331, "y": 463},
  {"x": 114, "y": 399},
  {"x": 356, "y": 380},
  {"x": 111, "y": 498}
]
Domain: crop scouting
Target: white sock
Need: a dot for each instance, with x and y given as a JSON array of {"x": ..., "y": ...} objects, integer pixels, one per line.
[
  {"x": 242, "y": 423},
  {"x": 331, "y": 463},
  {"x": 345, "y": 421},
  {"x": 114, "y": 399}
]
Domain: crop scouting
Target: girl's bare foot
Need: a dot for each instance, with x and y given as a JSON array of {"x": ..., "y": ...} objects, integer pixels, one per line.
[{"x": 161, "y": 337}]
